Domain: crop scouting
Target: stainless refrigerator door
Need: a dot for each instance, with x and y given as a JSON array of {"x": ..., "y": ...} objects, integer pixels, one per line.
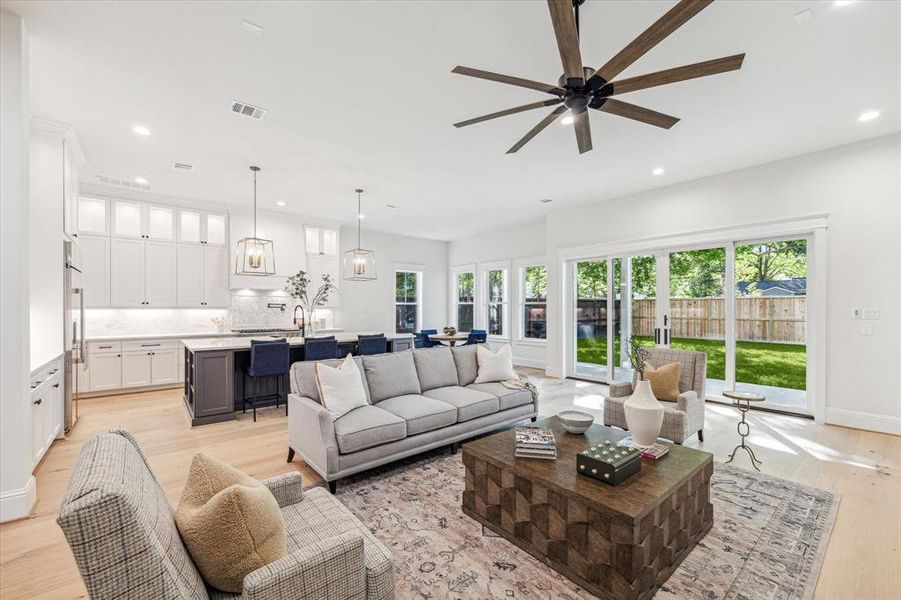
[{"x": 76, "y": 353}]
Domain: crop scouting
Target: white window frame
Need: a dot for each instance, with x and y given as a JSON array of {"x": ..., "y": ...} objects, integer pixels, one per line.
[
  {"x": 454, "y": 302},
  {"x": 520, "y": 297},
  {"x": 505, "y": 266},
  {"x": 419, "y": 272}
]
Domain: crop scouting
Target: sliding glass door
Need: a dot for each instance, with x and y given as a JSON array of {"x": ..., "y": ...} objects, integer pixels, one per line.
[{"x": 590, "y": 318}]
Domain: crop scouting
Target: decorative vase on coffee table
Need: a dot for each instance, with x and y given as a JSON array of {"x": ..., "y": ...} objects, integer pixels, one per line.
[{"x": 644, "y": 415}]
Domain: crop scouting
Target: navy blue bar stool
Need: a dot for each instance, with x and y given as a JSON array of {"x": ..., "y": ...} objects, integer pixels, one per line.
[
  {"x": 372, "y": 344},
  {"x": 267, "y": 359},
  {"x": 320, "y": 348},
  {"x": 476, "y": 336}
]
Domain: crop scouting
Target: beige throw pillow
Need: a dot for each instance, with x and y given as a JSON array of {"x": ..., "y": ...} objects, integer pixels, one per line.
[
  {"x": 664, "y": 380},
  {"x": 340, "y": 389},
  {"x": 495, "y": 366},
  {"x": 230, "y": 523}
]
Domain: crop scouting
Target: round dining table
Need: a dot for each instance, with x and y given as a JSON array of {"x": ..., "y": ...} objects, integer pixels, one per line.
[{"x": 450, "y": 340}]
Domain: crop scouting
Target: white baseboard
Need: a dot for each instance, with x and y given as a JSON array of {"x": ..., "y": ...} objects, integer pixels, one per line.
[
  {"x": 528, "y": 362},
  {"x": 863, "y": 420},
  {"x": 18, "y": 504},
  {"x": 554, "y": 372}
]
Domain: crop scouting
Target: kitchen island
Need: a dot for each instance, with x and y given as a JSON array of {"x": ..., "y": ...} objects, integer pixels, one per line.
[{"x": 215, "y": 366}]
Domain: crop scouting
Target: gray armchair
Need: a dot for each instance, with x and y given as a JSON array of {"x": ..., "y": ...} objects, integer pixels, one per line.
[
  {"x": 681, "y": 419},
  {"x": 122, "y": 532}
]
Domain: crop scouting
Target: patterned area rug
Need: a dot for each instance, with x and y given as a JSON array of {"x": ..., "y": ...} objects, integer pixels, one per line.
[{"x": 767, "y": 540}]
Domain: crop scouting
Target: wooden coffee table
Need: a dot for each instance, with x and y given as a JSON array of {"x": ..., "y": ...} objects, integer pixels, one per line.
[{"x": 615, "y": 541}]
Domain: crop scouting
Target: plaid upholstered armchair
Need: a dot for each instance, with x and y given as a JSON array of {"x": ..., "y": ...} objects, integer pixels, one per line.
[
  {"x": 122, "y": 532},
  {"x": 681, "y": 419}
]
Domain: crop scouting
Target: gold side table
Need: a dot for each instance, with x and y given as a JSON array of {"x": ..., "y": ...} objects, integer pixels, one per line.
[{"x": 743, "y": 427}]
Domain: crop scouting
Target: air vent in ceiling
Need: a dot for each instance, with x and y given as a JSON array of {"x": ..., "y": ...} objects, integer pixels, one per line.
[
  {"x": 123, "y": 183},
  {"x": 182, "y": 166},
  {"x": 242, "y": 108}
]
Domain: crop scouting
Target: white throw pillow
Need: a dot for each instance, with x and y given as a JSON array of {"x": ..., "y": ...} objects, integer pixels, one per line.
[
  {"x": 495, "y": 366},
  {"x": 340, "y": 389}
]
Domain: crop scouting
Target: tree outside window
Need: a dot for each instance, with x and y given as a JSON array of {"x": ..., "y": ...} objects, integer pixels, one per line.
[
  {"x": 534, "y": 306},
  {"x": 406, "y": 301},
  {"x": 465, "y": 298},
  {"x": 497, "y": 301}
]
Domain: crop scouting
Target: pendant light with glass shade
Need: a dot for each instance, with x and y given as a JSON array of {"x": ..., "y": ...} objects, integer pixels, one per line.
[
  {"x": 359, "y": 263},
  {"x": 254, "y": 256}
]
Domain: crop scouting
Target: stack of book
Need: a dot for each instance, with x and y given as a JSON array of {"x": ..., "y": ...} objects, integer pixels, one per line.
[{"x": 535, "y": 442}]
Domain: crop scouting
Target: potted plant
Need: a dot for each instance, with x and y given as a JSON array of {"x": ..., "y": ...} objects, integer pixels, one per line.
[
  {"x": 644, "y": 413},
  {"x": 297, "y": 287}
]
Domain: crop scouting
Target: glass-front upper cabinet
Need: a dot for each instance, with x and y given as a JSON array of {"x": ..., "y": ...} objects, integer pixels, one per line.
[
  {"x": 160, "y": 223},
  {"x": 127, "y": 219},
  {"x": 189, "y": 226},
  {"x": 216, "y": 232},
  {"x": 92, "y": 215},
  {"x": 330, "y": 242},
  {"x": 321, "y": 240}
]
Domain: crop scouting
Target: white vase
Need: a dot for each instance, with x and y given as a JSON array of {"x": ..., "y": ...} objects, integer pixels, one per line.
[{"x": 644, "y": 415}]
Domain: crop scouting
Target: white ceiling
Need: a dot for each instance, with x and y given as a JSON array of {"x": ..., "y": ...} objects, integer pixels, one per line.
[{"x": 361, "y": 94}]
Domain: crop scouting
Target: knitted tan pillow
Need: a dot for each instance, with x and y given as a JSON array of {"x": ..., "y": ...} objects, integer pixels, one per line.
[
  {"x": 664, "y": 380},
  {"x": 230, "y": 523}
]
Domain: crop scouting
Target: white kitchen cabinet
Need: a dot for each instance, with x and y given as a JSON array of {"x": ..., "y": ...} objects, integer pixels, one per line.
[
  {"x": 190, "y": 275},
  {"x": 105, "y": 371},
  {"x": 321, "y": 240},
  {"x": 215, "y": 229},
  {"x": 201, "y": 227},
  {"x": 46, "y": 409},
  {"x": 164, "y": 366},
  {"x": 95, "y": 270},
  {"x": 136, "y": 368},
  {"x": 160, "y": 274},
  {"x": 39, "y": 406},
  {"x": 83, "y": 374},
  {"x": 159, "y": 223},
  {"x": 93, "y": 215},
  {"x": 215, "y": 276},
  {"x": 127, "y": 219},
  {"x": 322, "y": 259},
  {"x": 127, "y": 272},
  {"x": 70, "y": 192},
  {"x": 189, "y": 226}
]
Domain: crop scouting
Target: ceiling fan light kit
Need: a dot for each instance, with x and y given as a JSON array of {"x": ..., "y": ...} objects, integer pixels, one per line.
[
  {"x": 253, "y": 255},
  {"x": 359, "y": 263},
  {"x": 581, "y": 88}
]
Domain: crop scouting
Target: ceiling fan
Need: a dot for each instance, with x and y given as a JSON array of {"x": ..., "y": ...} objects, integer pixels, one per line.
[{"x": 581, "y": 88}]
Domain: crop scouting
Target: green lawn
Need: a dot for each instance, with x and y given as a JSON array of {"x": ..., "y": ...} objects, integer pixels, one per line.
[{"x": 779, "y": 365}]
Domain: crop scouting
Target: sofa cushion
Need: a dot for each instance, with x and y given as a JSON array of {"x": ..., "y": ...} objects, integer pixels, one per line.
[
  {"x": 435, "y": 367},
  {"x": 469, "y": 403},
  {"x": 508, "y": 398},
  {"x": 303, "y": 377},
  {"x": 466, "y": 362},
  {"x": 390, "y": 375},
  {"x": 368, "y": 426},
  {"x": 420, "y": 412},
  {"x": 495, "y": 366}
]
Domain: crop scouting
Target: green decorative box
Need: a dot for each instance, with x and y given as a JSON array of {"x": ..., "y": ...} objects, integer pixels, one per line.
[{"x": 608, "y": 462}]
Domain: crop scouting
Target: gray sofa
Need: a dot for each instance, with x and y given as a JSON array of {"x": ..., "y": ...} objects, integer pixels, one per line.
[
  {"x": 122, "y": 532},
  {"x": 418, "y": 400}
]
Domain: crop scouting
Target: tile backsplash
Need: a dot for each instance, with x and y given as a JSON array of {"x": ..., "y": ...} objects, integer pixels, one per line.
[{"x": 248, "y": 310}]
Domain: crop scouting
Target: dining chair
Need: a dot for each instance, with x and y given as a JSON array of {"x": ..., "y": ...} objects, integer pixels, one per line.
[
  {"x": 426, "y": 342},
  {"x": 476, "y": 336}
]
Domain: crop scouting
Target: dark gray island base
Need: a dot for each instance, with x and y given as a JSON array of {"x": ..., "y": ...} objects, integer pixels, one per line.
[{"x": 214, "y": 373}]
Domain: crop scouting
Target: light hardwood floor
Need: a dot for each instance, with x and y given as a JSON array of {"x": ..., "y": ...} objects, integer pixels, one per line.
[{"x": 862, "y": 560}]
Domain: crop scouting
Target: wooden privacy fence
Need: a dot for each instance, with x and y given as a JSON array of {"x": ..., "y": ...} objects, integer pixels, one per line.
[{"x": 757, "y": 319}]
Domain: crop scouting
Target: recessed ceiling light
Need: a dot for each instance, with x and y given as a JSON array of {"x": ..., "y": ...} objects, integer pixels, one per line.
[
  {"x": 658, "y": 172},
  {"x": 280, "y": 203},
  {"x": 546, "y": 200},
  {"x": 361, "y": 217},
  {"x": 567, "y": 120},
  {"x": 140, "y": 130},
  {"x": 868, "y": 115},
  {"x": 391, "y": 206},
  {"x": 843, "y": 2},
  {"x": 140, "y": 180}
]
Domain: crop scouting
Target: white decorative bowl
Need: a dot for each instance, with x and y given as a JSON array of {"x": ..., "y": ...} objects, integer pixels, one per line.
[{"x": 575, "y": 421}]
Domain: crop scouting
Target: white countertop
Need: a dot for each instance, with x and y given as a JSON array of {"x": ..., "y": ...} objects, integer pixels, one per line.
[
  {"x": 243, "y": 343},
  {"x": 165, "y": 336}
]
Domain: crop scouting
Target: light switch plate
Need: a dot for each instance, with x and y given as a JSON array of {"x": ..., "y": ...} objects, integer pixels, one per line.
[
  {"x": 856, "y": 312},
  {"x": 866, "y": 329},
  {"x": 871, "y": 313}
]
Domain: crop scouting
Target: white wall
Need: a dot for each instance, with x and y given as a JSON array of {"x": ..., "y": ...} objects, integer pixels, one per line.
[
  {"x": 369, "y": 305},
  {"x": 17, "y": 486},
  {"x": 510, "y": 248},
  {"x": 857, "y": 185}
]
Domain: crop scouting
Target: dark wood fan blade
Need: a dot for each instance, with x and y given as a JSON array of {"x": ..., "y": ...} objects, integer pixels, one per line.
[
  {"x": 583, "y": 131},
  {"x": 526, "y": 83},
  {"x": 567, "y": 37},
  {"x": 638, "y": 113},
  {"x": 509, "y": 111},
  {"x": 555, "y": 114},
  {"x": 653, "y": 35},
  {"x": 684, "y": 73}
]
